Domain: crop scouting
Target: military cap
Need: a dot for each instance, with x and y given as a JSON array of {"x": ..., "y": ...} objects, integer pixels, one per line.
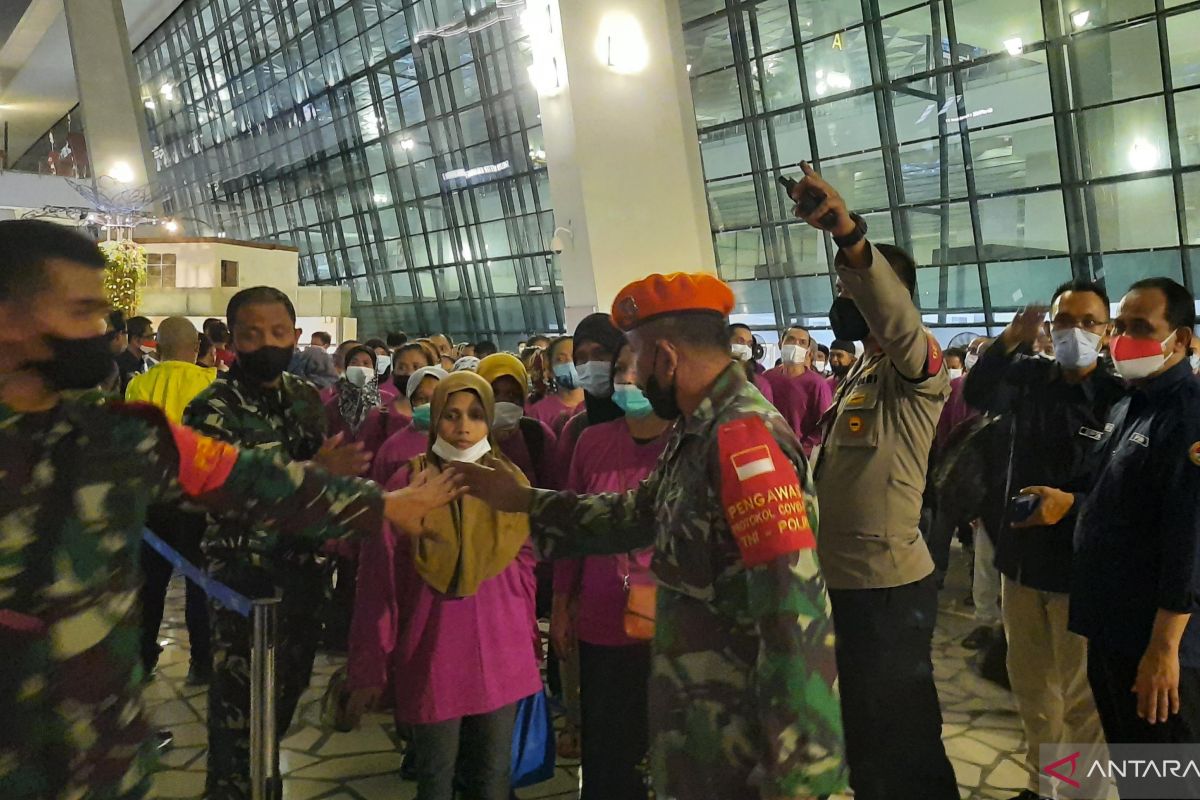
[{"x": 677, "y": 293}]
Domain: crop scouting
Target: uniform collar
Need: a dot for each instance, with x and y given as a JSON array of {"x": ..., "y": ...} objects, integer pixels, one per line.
[
  {"x": 724, "y": 391},
  {"x": 1166, "y": 382}
]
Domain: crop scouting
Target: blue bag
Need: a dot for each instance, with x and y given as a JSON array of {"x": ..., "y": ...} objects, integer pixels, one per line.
[{"x": 533, "y": 742}]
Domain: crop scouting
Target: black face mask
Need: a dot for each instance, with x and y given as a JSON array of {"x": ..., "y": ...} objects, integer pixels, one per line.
[
  {"x": 840, "y": 370},
  {"x": 400, "y": 382},
  {"x": 847, "y": 321},
  {"x": 662, "y": 398},
  {"x": 77, "y": 363},
  {"x": 265, "y": 364}
]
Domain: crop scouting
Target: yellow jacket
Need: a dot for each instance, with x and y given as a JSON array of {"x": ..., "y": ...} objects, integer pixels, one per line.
[{"x": 170, "y": 385}]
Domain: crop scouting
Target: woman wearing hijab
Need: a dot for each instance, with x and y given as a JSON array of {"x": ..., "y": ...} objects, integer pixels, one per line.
[
  {"x": 527, "y": 442},
  {"x": 392, "y": 417},
  {"x": 409, "y": 442},
  {"x": 354, "y": 395},
  {"x": 613, "y": 456},
  {"x": 562, "y": 402},
  {"x": 450, "y": 615}
]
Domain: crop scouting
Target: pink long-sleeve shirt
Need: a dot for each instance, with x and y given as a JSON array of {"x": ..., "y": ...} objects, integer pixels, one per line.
[
  {"x": 446, "y": 657},
  {"x": 396, "y": 451},
  {"x": 606, "y": 459},
  {"x": 802, "y": 400}
]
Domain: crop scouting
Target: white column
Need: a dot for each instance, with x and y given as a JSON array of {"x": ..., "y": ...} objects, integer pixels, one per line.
[
  {"x": 621, "y": 144},
  {"x": 109, "y": 93}
]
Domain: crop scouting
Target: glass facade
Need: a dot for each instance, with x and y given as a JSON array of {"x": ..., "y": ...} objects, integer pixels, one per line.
[
  {"x": 1008, "y": 144},
  {"x": 397, "y": 143}
]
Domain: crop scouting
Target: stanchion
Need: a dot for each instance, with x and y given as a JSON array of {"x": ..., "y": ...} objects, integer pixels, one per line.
[{"x": 264, "y": 749}]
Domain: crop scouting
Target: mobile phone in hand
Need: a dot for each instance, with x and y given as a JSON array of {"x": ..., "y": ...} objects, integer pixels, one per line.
[
  {"x": 1022, "y": 506},
  {"x": 809, "y": 200}
]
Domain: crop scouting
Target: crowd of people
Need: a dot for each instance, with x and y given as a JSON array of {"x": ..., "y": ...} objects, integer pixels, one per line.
[{"x": 737, "y": 561}]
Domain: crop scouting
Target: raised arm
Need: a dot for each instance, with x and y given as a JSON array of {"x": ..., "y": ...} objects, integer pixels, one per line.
[{"x": 988, "y": 385}]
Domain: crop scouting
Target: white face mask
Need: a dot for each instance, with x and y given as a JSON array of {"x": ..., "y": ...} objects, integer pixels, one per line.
[
  {"x": 359, "y": 376},
  {"x": 382, "y": 363},
  {"x": 794, "y": 354},
  {"x": 1075, "y": 348},
  {"x": 595, "y": 378},
  {"x": 971, "y": 360},
  {"x": 955, "y": 374},
  {"x": 742, "y": 352},
  {"x": 448, "y": 452},
  {"x": 507, "y": 416},
  {"x": 820, "y": 366},
  {"x": 147, "y": 350}
]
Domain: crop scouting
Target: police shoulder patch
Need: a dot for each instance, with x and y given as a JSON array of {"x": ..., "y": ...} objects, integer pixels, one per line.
[
  {"x": 1194, "y": 454},
  {"x": 760, "y": 490},
  {"x": 935, "y": 356}
]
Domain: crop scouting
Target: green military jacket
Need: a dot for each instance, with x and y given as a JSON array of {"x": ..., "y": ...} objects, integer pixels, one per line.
[
  {"x": 743, "y": 692},
  {"x": 289, "y": 422},
  {"x": 75, "y": 482}
]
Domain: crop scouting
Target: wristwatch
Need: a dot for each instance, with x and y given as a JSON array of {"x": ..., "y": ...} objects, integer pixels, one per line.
[{"x": 854, "y": 237}]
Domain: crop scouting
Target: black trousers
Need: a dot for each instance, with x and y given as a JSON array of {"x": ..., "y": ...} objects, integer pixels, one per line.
[
  {"x": 478, "y": 749},
  {"x": 613, "y": 686},
  {"x": 183, "y": 531},
  {"x": 890, "y": 711}
]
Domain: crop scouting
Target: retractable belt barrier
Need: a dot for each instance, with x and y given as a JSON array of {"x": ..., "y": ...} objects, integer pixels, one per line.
[{"x": 265, "y": 782}]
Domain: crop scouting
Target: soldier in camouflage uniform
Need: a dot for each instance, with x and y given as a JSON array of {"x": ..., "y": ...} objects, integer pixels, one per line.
[
  {"x": 76, "y": 477},
  {"x": 256, "y": 405},
  {"x": 743, "y": 694}
]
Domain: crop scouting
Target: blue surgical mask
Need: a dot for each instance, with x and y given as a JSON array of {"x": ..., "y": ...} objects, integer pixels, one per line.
[
  {"x": 420, "y": 417},
  {"x": 565, "y": 376},
  {"x": 631, "y": 400},
  {"x": 595, "y": 377}
]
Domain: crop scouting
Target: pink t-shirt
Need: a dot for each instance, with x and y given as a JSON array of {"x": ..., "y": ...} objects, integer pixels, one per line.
[
  {"x": 446, "y": 657},
  {"x": 764, "y": 388},
  {"x": 607, "y": 459},
  {"x": 396, "y": 451},
  {"x": 538, "y": 468},
  {"x": 549, "y": 409},
  {"x": 802, "y": 400},
  {"x": 380, "y": 425},
  {"x": 954, "y": 413}
]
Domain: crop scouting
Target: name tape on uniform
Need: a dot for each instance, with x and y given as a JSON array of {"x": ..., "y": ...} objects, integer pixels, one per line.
[{"x": 763, "y": 499}]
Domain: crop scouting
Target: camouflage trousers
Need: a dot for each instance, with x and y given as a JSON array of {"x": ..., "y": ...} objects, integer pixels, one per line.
[{"x": 229, "y": 692}]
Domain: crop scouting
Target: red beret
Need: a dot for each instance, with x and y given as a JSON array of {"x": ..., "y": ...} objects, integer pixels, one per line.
[{"x": 677, "y": 293}]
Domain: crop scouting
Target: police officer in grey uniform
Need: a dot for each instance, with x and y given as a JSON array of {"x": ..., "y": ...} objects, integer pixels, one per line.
[{"x": 870, "y": 475}]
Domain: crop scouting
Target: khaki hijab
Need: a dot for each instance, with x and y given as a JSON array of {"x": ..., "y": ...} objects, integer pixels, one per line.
[{"x": 466, "y": 542}]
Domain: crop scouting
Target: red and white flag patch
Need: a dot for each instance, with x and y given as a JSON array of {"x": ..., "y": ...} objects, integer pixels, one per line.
[{"x": 764, "y": 502}]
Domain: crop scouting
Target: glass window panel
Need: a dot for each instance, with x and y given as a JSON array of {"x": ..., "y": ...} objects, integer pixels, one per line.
[
  {"x": 932, "y": 170},
  {"x": 716, "y": 98},
  {"x": 1134, "y": 214},
  {"x": 846, "y": 126},
  {"x": 1115, "y": 66},
  {"x": 1187, "y": 120},
  {"x": 1101, "y": 12},
  {"x": 1122, "y": 270},
  {"x": 772, "y": 21},
  {"x": 694, "y": 9},
  {"x": 781, "y": 84},
  {"x": 802, "y": 250},
  {"x": 984, "y": 26},
  {"x": 751, "y": 297},
  {"x": 1183, "y": 37},
  {"x": 1129, "y": 137},
  {"x": 933, "y": 243},
  {"x": 791, "y": 138},
  {"x": 906, "y": 40},
  {"x": 952, "y": 287},
  {"x": 725, "y": 152},
  {"x": 1016, "y": 284},
  {"x": 837, "y": 64},
  {"x": 1012, "y": 88},
  {"x": 732, "y": 202},
  {"x": 919, "y": 110},
  {"x": 1023, "y": 226},
  {"x": 708, "y": 45},
  {"x": 739, "y": 253},
  {"x": 859, "y": 179},
  {"x": 1018, "y": 156},
  {"x": 1191, "y": 204},
  {"x": 818, "y": 17}
]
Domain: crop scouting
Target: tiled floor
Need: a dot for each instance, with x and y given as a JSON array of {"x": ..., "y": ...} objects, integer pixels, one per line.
[{"x": 982, "y": 732}]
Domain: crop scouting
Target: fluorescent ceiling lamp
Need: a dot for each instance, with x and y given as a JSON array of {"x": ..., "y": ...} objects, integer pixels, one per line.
[{"x": 1014, "y": 46}]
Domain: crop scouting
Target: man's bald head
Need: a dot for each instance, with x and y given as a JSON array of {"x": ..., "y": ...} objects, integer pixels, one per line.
[{"x": 178, "y": 340}]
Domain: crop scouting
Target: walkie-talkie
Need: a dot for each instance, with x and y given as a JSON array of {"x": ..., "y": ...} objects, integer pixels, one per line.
[{"x": 810, "y": 200}]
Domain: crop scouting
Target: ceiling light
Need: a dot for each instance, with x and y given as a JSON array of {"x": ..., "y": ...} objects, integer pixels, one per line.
[
  {"x": 167, "y": 90},
  {"x": 621, "y": 45},
  {"x": 380, "y": 199},
  {"x": 171, "y": 225},
  {"x": 1014, "y": 46},
  {"x": 407, "y": 144},
  {"x": 1080, "y": 18},
  {"x": 543, "y": 74},
  {"x": 1144, "y": 155},
  {"x": 121, "y": 171}
]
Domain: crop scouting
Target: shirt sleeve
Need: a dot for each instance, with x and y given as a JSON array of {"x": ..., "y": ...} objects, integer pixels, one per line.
[
  {"x": 376, "y": 612},
  {"x": 565, "y": 524},
  {"x": 568, "y": 572},
  {"x": 889, "y": 309},
  {"x": 810, "y": 433},
  {"x": 1180, "y": 521},
  {"x": 771, "y": 518},
  {"x": 989, "y": 386}
]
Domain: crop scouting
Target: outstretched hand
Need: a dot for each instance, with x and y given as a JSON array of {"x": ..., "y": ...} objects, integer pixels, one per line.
[
  {"x": 1024, "y": 328},
  {"x": 338, "y": 457},
  {"x": 830, "y": 213},
  {"x": 498, "y": 488},
  {"x": 406, "y": 508}
]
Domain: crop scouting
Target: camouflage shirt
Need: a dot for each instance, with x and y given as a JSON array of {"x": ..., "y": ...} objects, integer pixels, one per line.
[
  {"x": 288, "y": 421},
  {"x": 744, "y": 681},
  {"x": 75, "y": 482}
]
